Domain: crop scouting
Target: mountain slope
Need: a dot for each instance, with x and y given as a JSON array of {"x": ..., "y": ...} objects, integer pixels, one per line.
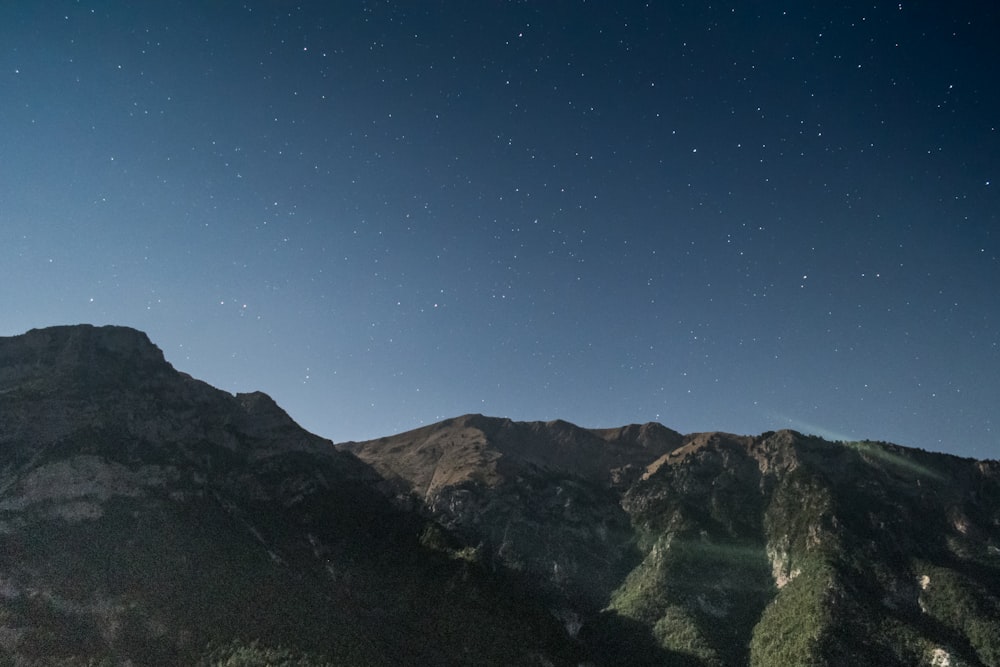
[
  {"x": 779, "y": 549},
  {"x": 536, "y": 497},
  {"x": 147, "y": 517}
]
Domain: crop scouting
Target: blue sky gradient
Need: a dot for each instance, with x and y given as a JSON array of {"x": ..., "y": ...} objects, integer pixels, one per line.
[{"x": 743, "y": 216}]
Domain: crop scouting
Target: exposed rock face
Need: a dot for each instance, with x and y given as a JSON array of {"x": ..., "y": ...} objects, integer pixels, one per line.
[{"x": 147, "y": 518}]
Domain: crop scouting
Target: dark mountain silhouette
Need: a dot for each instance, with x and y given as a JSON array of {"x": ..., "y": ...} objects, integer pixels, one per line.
[{"x": 147, "y": 518}]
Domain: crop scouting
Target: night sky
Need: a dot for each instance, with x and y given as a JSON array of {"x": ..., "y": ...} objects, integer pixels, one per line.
[{"x": 738, "y": 216}]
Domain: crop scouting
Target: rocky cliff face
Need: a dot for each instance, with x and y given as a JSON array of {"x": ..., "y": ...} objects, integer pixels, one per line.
[{"x": 147, "y": 518}]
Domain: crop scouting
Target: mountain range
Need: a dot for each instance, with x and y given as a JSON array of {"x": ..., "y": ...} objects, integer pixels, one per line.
[{"x": 147, "y": 518}]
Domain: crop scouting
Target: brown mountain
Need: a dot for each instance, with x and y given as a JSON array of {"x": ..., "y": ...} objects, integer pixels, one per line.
[{"x": 718, "y": 549}]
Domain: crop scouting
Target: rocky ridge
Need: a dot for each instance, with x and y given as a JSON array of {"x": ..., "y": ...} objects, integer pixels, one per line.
[
  {"x": 720, "y": 549},
  {"x": 147, "y": 518}
]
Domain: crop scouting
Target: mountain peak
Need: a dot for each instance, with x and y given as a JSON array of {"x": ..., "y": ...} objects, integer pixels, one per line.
[
  {"x": 141, "y": 509},
  {"x": 83, "y": 350},
  {"x": 489, "y": 450},
  {"x": 111, "y": 337}
]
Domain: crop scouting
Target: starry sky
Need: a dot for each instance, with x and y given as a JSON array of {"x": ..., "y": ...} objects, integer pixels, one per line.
[{"x": 738, "y": 216}]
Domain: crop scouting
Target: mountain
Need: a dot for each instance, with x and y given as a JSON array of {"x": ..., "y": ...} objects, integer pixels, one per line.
[
  {"x": 147, "y": 518},
  {"x": 541, "y": 499},
  {"x": 718, "y": 549}
]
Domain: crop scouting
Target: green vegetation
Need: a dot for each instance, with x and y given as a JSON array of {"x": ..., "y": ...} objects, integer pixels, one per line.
[
  {"x": 701, "y": 597},
  {"x": 678, "y": 631},
  {"x": 791, "y": 627},
  {"x": 436, "y": 538},
  {"x": 252, "y": 654},
  {"x": 967, "y": 608}
]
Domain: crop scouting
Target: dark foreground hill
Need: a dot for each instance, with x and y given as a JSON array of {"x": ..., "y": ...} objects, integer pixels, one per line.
[{"x": 147, "y": 518}]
